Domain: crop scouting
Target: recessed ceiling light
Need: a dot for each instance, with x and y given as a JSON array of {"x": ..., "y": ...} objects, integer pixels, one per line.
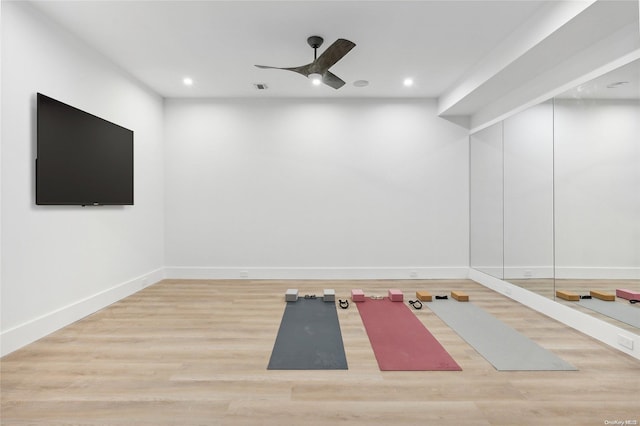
[
  {"x": 361, "y": 83},
  {"x": 408, "y": 82},
  {"x": 617, "y": 84},
  {"x": 187, "y": 81}
]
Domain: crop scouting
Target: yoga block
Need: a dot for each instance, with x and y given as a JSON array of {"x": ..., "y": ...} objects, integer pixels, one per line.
[
  {"x": 602, "y": 295},
  {"x": 567, "y": 295},
  {"x": 424, "y": 296},
  {"x": 291, "y": 295},
  {"x": 395, "y": 295},
  {"x": 460, "y": 296},
  {"x": 627, "y": 294},
  {"x": 357, "y": 295},
  {"x": 329, "y": 295}
]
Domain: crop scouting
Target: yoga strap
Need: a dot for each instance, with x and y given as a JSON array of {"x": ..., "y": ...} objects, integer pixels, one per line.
[
  {"x": 442, "y": 297},
  {"x": 416, "y": 304},
  {"x": 309, "y": 296},
  {"x": 344, "y": 304},
  {"x": 632, "y": 301},
  {"x": 585, "y": 297},
  {"x": 376, "y": 297}
]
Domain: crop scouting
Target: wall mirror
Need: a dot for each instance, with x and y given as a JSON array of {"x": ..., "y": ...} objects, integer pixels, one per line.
[
  {"x": 555, "y": 193},
  {"x": 597, "y": 186},
  {"x": 485, "y": 203},
  {"x": 528, "y": 199},
  {"x": 511, "y": 202}
]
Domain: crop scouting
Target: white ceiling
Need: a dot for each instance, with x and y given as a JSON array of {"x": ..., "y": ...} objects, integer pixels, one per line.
[
  {"x": 605, "y": 87},
  {"x": 218, "y": 42}
]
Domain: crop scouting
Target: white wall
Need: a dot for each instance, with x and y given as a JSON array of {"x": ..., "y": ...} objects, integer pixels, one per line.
[
  {"x": 61, "y": 263},
  {"x": 597, "y": 185},
  {"x": 314, "y": 189}
]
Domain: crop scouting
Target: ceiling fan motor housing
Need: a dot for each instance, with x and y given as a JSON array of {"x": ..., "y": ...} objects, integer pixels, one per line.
[{"x": 315, "y": 41}]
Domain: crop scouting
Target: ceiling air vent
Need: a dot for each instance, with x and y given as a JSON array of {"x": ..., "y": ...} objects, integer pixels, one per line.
[{"x": 260, "y": 86}]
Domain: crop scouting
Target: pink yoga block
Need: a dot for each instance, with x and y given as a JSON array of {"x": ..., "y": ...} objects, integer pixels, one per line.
[
  {"x": 395, "y": 295},
  {"x": 357, "y": 295},
  {"x": 627, "y": 294}
]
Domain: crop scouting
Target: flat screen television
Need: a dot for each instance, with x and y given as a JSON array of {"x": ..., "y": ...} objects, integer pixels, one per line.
[{"x": 81, "y": 159}]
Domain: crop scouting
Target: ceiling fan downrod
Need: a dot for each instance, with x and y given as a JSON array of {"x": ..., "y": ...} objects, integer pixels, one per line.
[{"x": 315, "y": 42}]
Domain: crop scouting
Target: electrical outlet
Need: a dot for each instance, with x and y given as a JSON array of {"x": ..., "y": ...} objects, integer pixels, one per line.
[
  {"x": 528, "y": 273},
  {"x": 244, "y": 274},
  {"x": 625, "y": 341},
  {"x": 507, "y": 291},
  {"x": 413, "y": 274}
]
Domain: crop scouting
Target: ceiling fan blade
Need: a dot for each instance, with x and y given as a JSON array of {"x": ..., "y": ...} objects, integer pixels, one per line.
[
  {"x": 267, "y": 67},
  {"x": 333, "y": 54},
  {"x": 304, "y": 69},
  {"x": 332, "y": 80}
]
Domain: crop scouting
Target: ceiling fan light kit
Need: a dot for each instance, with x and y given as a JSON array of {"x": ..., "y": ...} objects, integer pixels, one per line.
[
  {"x": 316, "y": 79},
  {"x": 318, "y": 70}
]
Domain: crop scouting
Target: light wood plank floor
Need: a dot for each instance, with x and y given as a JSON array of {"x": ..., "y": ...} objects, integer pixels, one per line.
[{"x": 194, "y": 352}]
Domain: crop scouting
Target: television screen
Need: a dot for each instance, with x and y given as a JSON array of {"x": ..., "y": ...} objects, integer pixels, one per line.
[{"x": 81, "y": 159}]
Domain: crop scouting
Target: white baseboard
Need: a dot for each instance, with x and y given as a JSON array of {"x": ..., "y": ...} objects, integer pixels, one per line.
[
  {"x": 585, "y": 323},
  {"x": 528, "y": 272},
  {"x": 28, "y": 332},
  {"x": 284, "y": 273}
]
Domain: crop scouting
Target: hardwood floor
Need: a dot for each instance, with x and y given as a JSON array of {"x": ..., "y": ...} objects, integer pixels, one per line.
[{"x": 194, "y": 352}]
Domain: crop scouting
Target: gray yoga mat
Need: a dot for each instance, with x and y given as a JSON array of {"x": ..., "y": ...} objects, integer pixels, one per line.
[
  {"x": 309, "y": 338},
  {"x": 505, "y": 348},
  {"x": 624, "y": 313}
]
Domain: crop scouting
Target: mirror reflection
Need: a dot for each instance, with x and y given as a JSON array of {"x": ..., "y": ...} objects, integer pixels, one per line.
[
  {"x": 528, "y": 199},
  {"x": 486, "y": 184},
  {"x": 555, "y": 195},
  {"x": 597, "y": 186}
]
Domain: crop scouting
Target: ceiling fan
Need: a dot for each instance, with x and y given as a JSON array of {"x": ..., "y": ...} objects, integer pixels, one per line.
[{"x": 318, "y": 70}]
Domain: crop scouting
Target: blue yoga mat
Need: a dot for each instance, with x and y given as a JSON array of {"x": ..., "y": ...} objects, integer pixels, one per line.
[
  {"x": 309, "y": 338},
  {"x": 505, "y": 348}
]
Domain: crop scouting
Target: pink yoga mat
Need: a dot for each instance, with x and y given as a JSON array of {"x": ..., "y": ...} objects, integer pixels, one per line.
[{"x": 400, "y": 341}]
